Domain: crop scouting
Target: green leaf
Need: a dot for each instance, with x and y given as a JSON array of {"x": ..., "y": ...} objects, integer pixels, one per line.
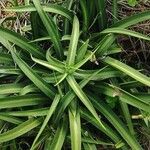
[
  {"x": 60, "y": 136},
  {"x": 89, "y": 138},
  {"x": 10, "y": 119},
  {"x": 124, "y": 96},
  {"x": 125, "y": 32},
  {"x": 103, "y": 46},
  {"x": 70, "y": 95},
  {"x": 27, "y": 113},
  {"x": 50, "y": 27},
  {"x": 28, "y": 89},
  {"x": 127, "y": 70},
  {"x": 34, "y": 77},
  {"x": 19, "y": 130},
  {"x": 48, "y": 116},
  {"x": 88, "y": 57},
  {"x": 106, "y": 42},
  {"x": 75, "y": 125},
  {"x": 63, "y": 77},
  {"x": 53, "y": 60},
  {"x": 47, "y": 8},
  {"x": 82, "y": 51},
  {"x": 115, "y": 10},
  {"x": 5, "y": 58},
  {"x": 115, "y": 121},
  {"x": 10, "y": 70},
  {"x": 143, "y": 96},
  {"x": 132, "y": 2},
  {"x": 132, "y": 20},
  {"x": 108, "y": 130},
  {"x": 20, "y": 101},
  {"x": 124, "y": 109},
  {"x": 78, "y": 91},
  {"x": 88, "y": 146},
  {"x": 10, "y": 88},
  {"x": 103, "y": 74},
  {"x": 85, "y": 15},
  {"x": 101, "y": 10},
  {"x": 73, "y": 42},
  {"x": 52, "y": 66},
  {"x": 21, "y": 42}
]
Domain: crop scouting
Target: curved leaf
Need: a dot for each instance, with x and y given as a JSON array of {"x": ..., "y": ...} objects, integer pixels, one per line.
[
  {"x": 19, "y": 130},
  {"x": 34, "y": 77},
  {"x": 21, "y": 42},
  {"x": 48, "y": 8},
  {"x": 50, "y": 27},
  {"x": 48, "y": 116},
  {"x": 127, "y": 70},
  {"x": 115, "y": 121},
  {"x": 132, "y": 20},
  {"x": 126, "y": 32},
  {"x": 78, "y": 91}
]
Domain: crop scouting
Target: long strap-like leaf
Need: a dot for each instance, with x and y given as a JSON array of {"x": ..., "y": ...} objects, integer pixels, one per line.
[
  {"x": 49, "y": 114},
  {"x": 73, "y": 42},
  {"x": 50, "y": 27},
  {"x": 127, "y": 70},
  {"x": 19, "y": 130},
  {"x": 48, "y": 8},
  {"x": 79, "y": 92},
  {"x": 34, "y": 77},
  {"x": 7, "y": 35}
]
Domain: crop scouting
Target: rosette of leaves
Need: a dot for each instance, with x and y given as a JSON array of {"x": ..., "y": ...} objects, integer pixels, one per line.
[{"x": 59, "y": 82}]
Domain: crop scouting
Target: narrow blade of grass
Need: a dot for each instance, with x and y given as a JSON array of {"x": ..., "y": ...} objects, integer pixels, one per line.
[
  {"x": 105, "y": 44},
  {"x": 85, "y": 15},
  {"x": 101, "y": 9},
  {"x": 28, "y": 89},
  {"x": 10, "y": 70},
  {"x": 115, "y": 11}
]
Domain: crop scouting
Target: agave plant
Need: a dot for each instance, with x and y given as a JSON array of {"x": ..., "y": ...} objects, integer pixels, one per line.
[{"x": 58, "y": 95}]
